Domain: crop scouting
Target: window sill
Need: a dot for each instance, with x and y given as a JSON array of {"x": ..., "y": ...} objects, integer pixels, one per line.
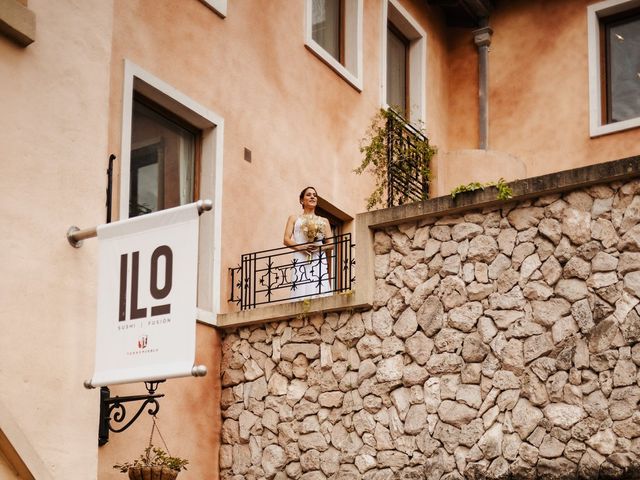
[
  {"x": 218, "y": 6},
  {"x": 322, "y": 54},
  {"x": 17, "y": 22},
  {"x": 599, "y": 130}
]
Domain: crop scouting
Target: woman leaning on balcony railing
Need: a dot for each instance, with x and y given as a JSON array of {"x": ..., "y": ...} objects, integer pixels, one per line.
[{"x": 305, "y": 234}]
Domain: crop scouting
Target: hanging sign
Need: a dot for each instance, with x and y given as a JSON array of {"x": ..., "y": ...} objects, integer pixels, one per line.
[{"x": 147, "y": 293}]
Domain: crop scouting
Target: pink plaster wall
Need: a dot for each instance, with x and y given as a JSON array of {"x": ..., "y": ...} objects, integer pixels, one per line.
[
  {"x": 302, "y": 122},
  {"x": 189, "y": 418},
  {"x": 53, "y": 144},
  {"x": 61, "y": 116},
  {"x": 538, "y": 89}
]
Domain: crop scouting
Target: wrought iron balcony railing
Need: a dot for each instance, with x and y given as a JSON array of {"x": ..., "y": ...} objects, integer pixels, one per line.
[
  {"x": 407, "y": 178},
  {"x": 280, "y": 274}
]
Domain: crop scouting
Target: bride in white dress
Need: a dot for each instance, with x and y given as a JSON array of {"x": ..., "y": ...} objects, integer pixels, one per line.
[{"x": 305, "y": 234}]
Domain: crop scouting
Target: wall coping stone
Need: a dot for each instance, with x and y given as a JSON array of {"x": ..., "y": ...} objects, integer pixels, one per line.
[{"x": 522, "y": 189}]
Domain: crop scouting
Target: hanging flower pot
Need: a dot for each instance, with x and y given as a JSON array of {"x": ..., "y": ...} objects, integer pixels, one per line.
[
  {"x": 152, "y": 473},
  {"x": 153, "y": 464}
]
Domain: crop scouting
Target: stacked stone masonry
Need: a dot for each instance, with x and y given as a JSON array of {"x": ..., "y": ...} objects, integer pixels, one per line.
[{"x": 502, "y": 343}]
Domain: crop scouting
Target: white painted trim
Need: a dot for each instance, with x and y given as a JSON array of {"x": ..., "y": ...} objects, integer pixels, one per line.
[
  {"x": 207, "y": 317},
  {"x": 218, "y": 6},
  {"x": 212, "y": 126},
  {"x": 352, "y": 73},
  {"x": 594, "y": 13},
  {"x": 417, "y": 56},
  {"x": 20, "y": 443}
]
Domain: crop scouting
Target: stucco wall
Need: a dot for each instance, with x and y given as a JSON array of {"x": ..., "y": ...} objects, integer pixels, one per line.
[
  {"x": 188, "y": 420},
  {"x": 53, "y": 146},
  {"x": 502, "y": 340},
  {"x": 538, "y": 90},
  {"x": 300, "y": 119}
]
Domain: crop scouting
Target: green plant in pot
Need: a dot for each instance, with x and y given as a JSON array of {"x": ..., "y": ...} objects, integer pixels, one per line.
[{"x": 153, "y": 464}]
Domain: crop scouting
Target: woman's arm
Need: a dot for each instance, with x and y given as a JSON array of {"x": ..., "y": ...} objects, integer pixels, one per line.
[
  {"x": 327, "y": 234},
  {"x": 327, "y": 229},
  {"x": 288, "y": 232}
]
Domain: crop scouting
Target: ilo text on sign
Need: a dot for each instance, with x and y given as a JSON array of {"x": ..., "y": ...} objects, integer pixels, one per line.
[
  {"x": 147, "y": 291},
  {"x": 163, "y": 251}
]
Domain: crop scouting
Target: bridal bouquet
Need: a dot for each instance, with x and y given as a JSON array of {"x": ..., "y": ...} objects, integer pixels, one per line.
[{"x": 313, "y": 228}]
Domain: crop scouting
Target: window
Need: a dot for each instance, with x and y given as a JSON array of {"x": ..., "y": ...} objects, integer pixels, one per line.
[
  {"x": 327, "y": 28},
  {"x": 614, "y": 65},
  {"x": 404, "y": 64},
  {"x": 163, "y": 159},
  {"x": 622, "y": 61},
  {"x": 397, "y": 63},
  {"x": 333, "y": 32},
  {"x": 171, "y": 154}
]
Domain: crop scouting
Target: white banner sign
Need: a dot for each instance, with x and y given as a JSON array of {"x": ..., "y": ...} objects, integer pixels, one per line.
[{"x": 147, "y": 293}]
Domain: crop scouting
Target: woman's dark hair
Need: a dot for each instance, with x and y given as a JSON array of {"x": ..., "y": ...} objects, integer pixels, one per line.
[{"x": 304, "y": 190}]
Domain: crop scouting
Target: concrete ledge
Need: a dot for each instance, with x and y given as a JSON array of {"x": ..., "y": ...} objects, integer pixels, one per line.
[
  {"x": 283, "y": 311},
  {"x": 522, "y": 189},
  {"x": 17, "y": 22}
]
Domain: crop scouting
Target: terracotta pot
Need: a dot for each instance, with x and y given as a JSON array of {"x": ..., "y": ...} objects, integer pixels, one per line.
[{"x": 152, "y": 473}]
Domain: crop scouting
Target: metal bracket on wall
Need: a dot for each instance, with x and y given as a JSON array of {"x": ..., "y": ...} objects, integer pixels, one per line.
[{"x": 112, "y": 409}]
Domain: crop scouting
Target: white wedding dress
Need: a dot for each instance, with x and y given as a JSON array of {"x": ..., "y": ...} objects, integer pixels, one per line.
[{"x": 310, "y": 274}]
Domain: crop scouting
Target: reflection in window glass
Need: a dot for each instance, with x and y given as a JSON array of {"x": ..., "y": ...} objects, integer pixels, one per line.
[
  {"x": 162, "y": 162},
  {"x": 623, "y": 69},
  {"x": 397, "y": 48},
  {"x": 326, "y": 25}
]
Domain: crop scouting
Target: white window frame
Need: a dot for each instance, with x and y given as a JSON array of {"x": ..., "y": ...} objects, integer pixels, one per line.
[
  {"x": 395, "y": 13},
  {"x": 352, "y": 70},
  {"x": 218, "y": 6},
  {"x": 136, "y": 79},
  {"x": 596, "y": 12}
]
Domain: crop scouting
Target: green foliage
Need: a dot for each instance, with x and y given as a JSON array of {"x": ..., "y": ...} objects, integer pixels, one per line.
[
  {"x": 376, "y": 146},
  {"x": 504, "y": 190},
  {"x": 154, "y": 457}
]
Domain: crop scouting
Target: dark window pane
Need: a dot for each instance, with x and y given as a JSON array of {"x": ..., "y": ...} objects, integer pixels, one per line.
[
  {"x": 396, "y": 72},
  {"x": 623, "y": 75},
  {"x": 162, "y": 162},
  {"x": 326, "y": 25}
]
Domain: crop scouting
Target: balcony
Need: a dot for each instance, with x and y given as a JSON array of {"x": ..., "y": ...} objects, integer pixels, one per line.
[
  {"x": 407, "y": 170},
  {"x": 281, "y": 275}
]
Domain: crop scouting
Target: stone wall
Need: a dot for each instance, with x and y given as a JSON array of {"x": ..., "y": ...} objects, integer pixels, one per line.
[{"x": 500, "y": 342}]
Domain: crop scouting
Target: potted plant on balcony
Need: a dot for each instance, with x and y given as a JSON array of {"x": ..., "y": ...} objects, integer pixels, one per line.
[
  {"x": 153, "y": 464},
  {"x": 399, "y": 156}
]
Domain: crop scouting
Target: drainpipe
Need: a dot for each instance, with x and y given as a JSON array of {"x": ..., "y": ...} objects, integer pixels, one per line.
[{"x": 482, "y": 39}]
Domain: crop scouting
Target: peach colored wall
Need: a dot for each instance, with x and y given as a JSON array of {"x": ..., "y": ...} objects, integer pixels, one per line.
[
  {"x": 301, "y": 120},
  {"x": 53, "y": 146},
  {"x": 539, "y": 89},
  {"x": 189, "y": 418},
  {"x": 62, "y": 117}
]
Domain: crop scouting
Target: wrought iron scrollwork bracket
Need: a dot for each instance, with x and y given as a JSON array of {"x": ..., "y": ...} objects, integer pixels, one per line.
[{"x": 113, "y": 409}]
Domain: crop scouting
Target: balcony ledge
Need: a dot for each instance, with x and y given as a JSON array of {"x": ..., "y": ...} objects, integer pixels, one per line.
[{"x": 287, "y": 310}]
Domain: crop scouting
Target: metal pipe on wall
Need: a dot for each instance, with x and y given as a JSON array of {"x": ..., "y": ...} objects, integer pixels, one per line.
[{"x": 482, "y": 39}]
